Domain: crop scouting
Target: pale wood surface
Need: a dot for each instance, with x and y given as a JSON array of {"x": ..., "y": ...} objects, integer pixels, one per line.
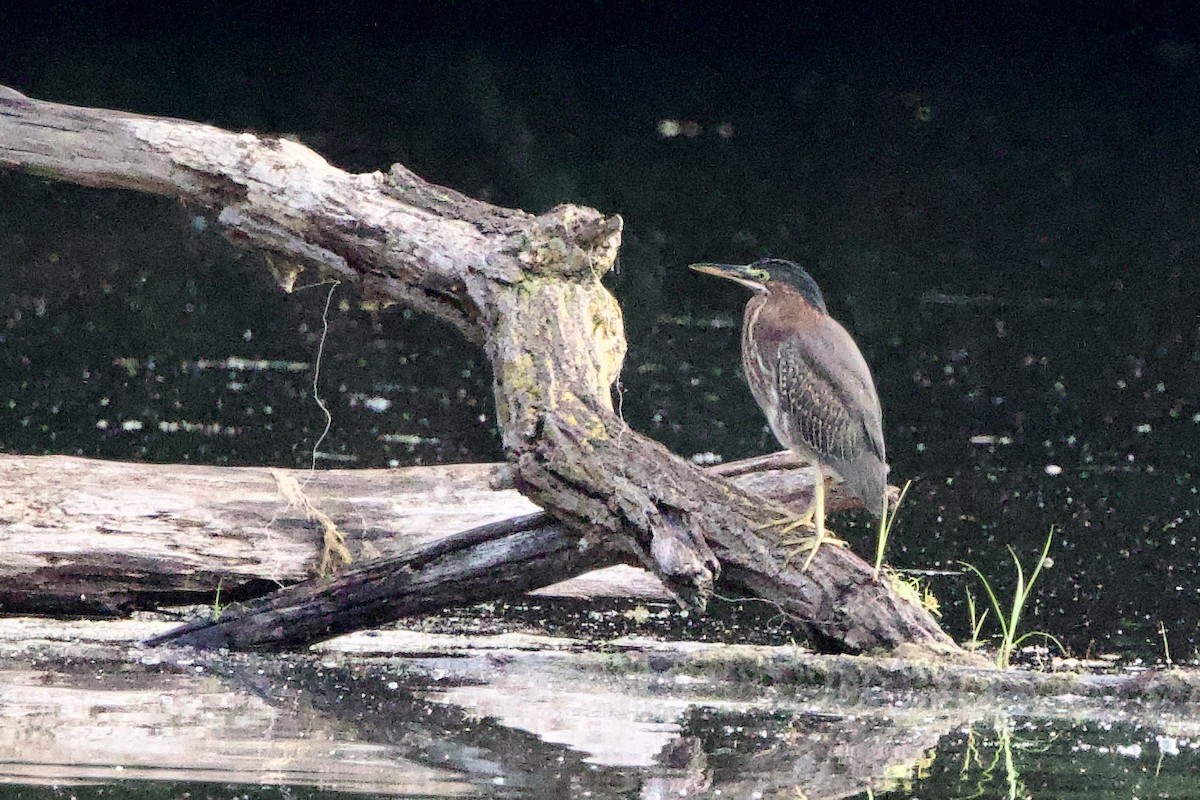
[
  {"x": 90, "y": 536},
  {"x": 102, "y": 536}
]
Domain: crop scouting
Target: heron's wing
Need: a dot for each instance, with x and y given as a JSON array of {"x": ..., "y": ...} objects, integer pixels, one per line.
[{"x": 824, "y": 382}]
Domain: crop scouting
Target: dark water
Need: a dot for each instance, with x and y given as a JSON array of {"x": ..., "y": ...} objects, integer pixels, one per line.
[{"x": 1000, "y": 206}]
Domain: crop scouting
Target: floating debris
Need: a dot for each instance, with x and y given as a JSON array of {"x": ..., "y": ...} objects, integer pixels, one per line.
[
  {"x": 984, "y": 439},
  {"x": 690, "y": 321},
  {"x": 376, "y": 403},
  {"x": 236, "y": 363},
  {"x": 410, "y": 439},
  {"x": 1001, "y": 301},
  {"x": 1129, "y": 750},
  {"x": 671, "y": 128},
  {"x": 323, "y": 456},
  {"x": 240, "y": 364},
  {"x": 202, "y": 428}
]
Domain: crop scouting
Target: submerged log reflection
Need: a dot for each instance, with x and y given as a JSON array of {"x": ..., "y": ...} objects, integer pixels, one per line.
[{"x": 518, "y": 715}]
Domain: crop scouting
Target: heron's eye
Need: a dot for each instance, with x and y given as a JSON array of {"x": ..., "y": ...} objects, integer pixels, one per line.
[{"x": 760, "y": 275}]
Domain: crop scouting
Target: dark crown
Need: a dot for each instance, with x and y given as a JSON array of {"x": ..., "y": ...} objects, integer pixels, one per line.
[{"x": 794, "y": 277}]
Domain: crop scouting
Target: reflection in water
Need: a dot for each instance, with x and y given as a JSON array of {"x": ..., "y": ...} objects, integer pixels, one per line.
[
  {"x": 1013, "y": 756},
  {"x": 980, "y": 776},
  {"x": 475, "y": 716}
]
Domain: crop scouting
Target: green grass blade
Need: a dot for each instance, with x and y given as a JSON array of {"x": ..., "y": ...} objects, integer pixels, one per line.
[
  {"x": 885, "y": 529},
  {"x": 1010, "y": 624},
  {"x": 987, "y": 588}
]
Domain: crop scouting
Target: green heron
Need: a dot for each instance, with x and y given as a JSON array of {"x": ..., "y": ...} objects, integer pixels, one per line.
[{"x": 813, "y": 384}]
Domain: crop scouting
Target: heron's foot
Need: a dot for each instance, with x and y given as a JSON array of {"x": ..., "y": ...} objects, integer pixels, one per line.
[
  {"x": 789, "y": 523},
  {"x": 797, "y": 543}
]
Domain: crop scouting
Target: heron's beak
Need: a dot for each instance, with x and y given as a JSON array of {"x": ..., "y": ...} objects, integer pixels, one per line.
[{"x": 741, "y": 273}]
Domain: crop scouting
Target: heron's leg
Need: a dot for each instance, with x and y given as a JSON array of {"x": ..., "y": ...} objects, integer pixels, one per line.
[
  {"x": 822, "y": 536},
  {"x": 814, "y": 517}
]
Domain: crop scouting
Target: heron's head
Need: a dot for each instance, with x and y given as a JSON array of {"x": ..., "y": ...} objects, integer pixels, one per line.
[{"x": 769, "y": 276}]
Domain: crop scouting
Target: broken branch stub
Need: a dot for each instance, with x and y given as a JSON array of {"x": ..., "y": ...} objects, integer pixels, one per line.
[{"x": 525, "y": 287}]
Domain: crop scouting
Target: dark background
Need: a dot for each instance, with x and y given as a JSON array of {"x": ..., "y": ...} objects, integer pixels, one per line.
[{"x": 998, "y": 202}]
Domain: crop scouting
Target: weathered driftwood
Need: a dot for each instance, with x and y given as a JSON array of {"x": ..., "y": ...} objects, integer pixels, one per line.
[
  {"x": 497, "y": 560},
  {"x": 85, "y": 536},
  {"x": 527, "y": 289},
  {"x": 500, "y": 560}
]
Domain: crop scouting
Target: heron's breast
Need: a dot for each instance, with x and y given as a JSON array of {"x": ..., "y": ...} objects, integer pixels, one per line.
[{"x": 772, "y": 319}]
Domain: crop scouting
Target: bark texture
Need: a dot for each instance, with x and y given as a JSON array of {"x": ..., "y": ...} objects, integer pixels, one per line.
[
  {"x": 85, "y": 536},
  {"x": 526, "y": 288},
  {"x": 104, "y": 538}
]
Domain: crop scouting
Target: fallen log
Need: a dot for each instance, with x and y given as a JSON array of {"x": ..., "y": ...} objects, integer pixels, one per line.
[
  {"x": 101, "y": 538},
  {"x": 500, "y": 560},
  {"x": 84, "y": 536},
  {"x": 527, "y": 289}
]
